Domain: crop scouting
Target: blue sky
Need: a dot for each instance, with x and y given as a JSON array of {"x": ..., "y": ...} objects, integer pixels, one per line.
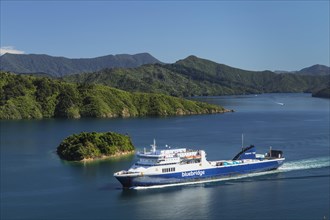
[{"x": 254, "y": 35}]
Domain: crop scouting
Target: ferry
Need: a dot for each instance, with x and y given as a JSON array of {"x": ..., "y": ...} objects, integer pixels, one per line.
[{"x": 182, "y": 165}]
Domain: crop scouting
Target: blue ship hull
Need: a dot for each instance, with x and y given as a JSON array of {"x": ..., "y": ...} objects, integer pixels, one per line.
[{"x": 198, "y": 175}]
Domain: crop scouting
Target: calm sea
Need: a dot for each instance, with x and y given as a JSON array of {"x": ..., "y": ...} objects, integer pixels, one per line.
[{"x": 36, "y": 184}]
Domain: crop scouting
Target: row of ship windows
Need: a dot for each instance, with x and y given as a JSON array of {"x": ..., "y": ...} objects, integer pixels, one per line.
[
  {"x": 154, "y": 161},
  {"x": 166, "y": 170},
  {"x": 148, "y": 160}
]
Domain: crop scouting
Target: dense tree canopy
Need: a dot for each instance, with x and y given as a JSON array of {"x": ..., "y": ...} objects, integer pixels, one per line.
[
  {"x": 93, "y": 145},
  {"x": 39, "y": 97}
]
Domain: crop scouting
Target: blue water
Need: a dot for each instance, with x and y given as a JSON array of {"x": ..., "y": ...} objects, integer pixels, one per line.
[{"x": 36, "y": 184}]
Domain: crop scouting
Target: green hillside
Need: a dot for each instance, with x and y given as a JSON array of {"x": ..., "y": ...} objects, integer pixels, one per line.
[
  {"x": 195, "y": 76},
  {"x": 149, "y": 78},
  {"x": 43, "y": 97}
]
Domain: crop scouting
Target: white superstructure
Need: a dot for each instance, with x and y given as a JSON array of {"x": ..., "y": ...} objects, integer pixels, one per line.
[{"x": 168, "y": 160}]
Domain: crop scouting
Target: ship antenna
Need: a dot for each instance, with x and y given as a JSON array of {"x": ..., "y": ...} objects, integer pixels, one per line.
[
  {"x": 153, "y": 146},
  {"x": 242, "y": 141}
]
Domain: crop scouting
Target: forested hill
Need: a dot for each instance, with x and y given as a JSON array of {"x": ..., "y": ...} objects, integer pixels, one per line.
[
  {"x": 42, "y": 97},
  {"x": 60, "y": 66},
  {"x": 195, "y": 76},
  {"x": 316, "y": 70}
]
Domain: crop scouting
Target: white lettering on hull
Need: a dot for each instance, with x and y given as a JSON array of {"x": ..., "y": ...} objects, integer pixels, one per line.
[{"x": 193, "y": 173}]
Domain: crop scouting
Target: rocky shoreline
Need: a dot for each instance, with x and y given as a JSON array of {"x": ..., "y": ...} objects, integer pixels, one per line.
[{"x": 105, "y": 157}]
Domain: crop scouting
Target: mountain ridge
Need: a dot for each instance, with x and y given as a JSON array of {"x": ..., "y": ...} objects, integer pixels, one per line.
[
  {"x": 314, "y": 70},
  {"x": 187, "y": 77},
  {"x": 195, "y": 76},
  {"x": 60, "y": 66}
]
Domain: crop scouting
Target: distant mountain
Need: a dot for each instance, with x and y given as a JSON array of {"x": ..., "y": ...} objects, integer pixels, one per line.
[
  {"x": 315, "y": 70},
  {"x": 245, "y": 81},
  {"x": 195, "y": 76},
  {"x": 61, "y": 66}
]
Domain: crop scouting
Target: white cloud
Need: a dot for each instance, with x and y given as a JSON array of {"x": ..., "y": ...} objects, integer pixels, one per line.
[{"x": 10, "y": 49}]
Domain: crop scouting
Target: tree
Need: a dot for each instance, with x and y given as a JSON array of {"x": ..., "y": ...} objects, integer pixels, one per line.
[{"x": 68, "y": 103}]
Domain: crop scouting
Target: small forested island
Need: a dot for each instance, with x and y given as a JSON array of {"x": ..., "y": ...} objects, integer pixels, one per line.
[
  {"x": 90, "y": 146},
  {"x": 323, "y": 93},
  {"x": 29, "y": 97}
]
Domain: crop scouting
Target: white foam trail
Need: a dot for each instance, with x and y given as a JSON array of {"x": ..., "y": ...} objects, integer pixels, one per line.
[
  {"x": 279, "y": 103},
  {"x": 304, "y": 164}
]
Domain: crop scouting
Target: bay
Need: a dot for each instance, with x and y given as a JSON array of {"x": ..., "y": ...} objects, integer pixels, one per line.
[{"x": 36, "y": 184}]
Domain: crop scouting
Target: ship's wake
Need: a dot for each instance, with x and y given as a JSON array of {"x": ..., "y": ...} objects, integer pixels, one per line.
[
  {"x": 304, "y": 164},
  {"x": 279, "y": 103}
]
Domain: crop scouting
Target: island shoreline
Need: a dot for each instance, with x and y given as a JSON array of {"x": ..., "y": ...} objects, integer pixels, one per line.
[{"x": 105, "y": 157}]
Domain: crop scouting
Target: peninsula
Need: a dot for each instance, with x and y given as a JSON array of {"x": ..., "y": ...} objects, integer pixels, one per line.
[
  {"x": 30, "y": 97},
  {"x": 90, "y": 146},
  {"x": 323, "y": 93}
]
